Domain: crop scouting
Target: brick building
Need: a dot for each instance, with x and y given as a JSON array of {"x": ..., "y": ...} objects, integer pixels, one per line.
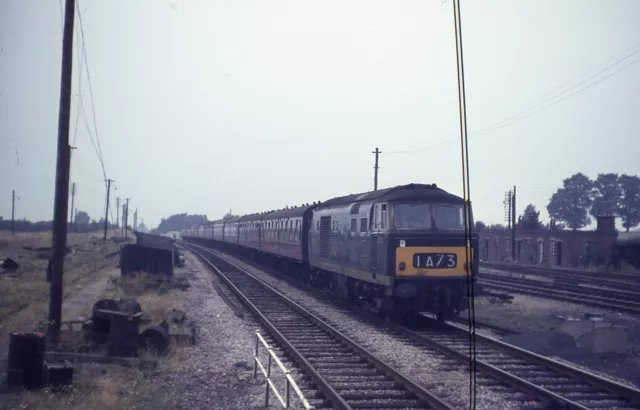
[{"x": 551, "y": 247}]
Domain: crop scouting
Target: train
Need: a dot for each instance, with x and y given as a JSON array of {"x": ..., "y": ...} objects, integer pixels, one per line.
[{"x": 400, "y": 251}]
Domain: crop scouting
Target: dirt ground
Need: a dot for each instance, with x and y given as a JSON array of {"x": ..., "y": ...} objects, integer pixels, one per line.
[
  {"x": 24, "y": 294},
  {"x": 543, "y": 324},
  {"x": 216, "y": 373}
]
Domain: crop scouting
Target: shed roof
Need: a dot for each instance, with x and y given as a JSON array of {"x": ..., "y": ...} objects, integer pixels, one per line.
[{"x": 147, "y": 240}]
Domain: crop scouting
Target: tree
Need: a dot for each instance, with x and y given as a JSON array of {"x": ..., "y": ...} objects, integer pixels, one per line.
[
  {"x": 571, "y": 203},
  {"x": 480, "y": 226},
  {"x": 629, "y": 210},
  {"x": 178, "y": 222},
  {"x": 606, "y": 195},
  {"x": 228, "y": 215},
  {"x": 497, "y": 227},
  {"x": 531, "y": 218},
  {"x": 82, "y": 218}
]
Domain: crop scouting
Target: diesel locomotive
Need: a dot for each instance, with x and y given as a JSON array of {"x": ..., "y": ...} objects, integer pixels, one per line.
[{"x": 400, "y": 251}]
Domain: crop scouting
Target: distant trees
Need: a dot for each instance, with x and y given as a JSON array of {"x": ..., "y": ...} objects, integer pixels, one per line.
[
  {"x": 606, "y": 195},
  {"x": 228, "y": 215},
  {"x": 142, "y": 227},
  {"x": 179, "y": 222},
  {"x": 531, "y": 218},
  {"x": 82, "y": 218},
  {"x": 629, "y": 208},
  {"x": 480, "y": 226},
  {"x": 571, "y": 203},
  {"x": 609, "y": 195}
]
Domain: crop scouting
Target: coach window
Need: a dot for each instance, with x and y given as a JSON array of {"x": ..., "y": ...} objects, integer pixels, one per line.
[
  {"x": 290, "y": 236},
  {"x": 354, "y": 224},
  {"x": 363, "y": 225},
  {"x": 375, "y": 217},
  {"x": 383, "y": 218}
]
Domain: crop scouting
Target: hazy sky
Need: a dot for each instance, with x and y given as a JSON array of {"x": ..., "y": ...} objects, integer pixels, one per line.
[{"x": 204, "y": 106}]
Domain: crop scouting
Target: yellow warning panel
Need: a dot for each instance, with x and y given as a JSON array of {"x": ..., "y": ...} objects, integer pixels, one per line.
[{"x": 432, "y": 261}]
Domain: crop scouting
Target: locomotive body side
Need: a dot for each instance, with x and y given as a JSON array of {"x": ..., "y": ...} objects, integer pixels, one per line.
[{"x": 403, "y": 249}]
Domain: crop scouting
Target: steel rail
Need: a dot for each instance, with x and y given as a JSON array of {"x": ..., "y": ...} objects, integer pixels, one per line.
[
  {"x": 334, "y": 397},
  {"x": 629, "y": 394},
  {"x": 582, "y": 274},
  {"x": 548, "y": 293},
  {"x": 630, "y": 295}
]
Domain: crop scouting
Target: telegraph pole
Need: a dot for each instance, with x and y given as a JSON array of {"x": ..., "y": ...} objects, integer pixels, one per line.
[
  {"x": 507, "y": 208},
  {"x": 59, "y": 242},
  {"x": 13, "y": 210},
  {"x": 375, "y": 168},
  {"x": 117, "y": 212},
  {"x": 135, "y": 220},
  {"x": 123, "y": 211},
  {"x": 106, "y": 212},
  {"x": 126, "y": 217},
  {"x": 73, "y": 200},
  {"x": 513, "y": 225}
]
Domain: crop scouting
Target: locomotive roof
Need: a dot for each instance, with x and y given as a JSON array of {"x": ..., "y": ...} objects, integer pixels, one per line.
[{"x": 409, "y": 192}]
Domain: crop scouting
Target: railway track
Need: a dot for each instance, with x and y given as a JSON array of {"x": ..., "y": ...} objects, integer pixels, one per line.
[
  {"x": 502, "y": 331},
  {"x": 347, "y": 374},
  {"x": 519, "y": 371},
  {"x": 520, "y": 375},
  {"x": 553, "y": 291},
  {"x": 622, "y": 281},
  {"x": 604, "y": 292}
]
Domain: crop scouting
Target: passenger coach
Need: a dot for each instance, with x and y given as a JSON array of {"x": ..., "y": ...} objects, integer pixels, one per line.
[{"x": 401, "y": 250}]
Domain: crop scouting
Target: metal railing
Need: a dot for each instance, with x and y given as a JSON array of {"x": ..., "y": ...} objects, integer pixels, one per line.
[{"x": 267, "y": 374}]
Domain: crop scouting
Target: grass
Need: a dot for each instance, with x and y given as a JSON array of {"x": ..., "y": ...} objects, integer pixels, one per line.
[
  {"x": 117, "y": 388},
  {"x": 156, "y": 302},
  {"x": 101, "y": 387},
  {"x": 22, "y": 297}
]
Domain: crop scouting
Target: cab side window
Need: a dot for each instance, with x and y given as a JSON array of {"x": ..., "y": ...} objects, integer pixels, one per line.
[{"x": 383, "y": 216}]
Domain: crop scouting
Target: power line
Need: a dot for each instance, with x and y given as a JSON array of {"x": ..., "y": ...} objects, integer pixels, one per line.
[
  {"x": 466, "y": 189},
  {"x": 527, "y": 112},
  {"x": 80, "y": 89},
  {"x": 509, "y": 120},
  {"x": 93, "y": 108},
  {"x": 559, "y": 101},
  {"x": 586, "y": 72}
]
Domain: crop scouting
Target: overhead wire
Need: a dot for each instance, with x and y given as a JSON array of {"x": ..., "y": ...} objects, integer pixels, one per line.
[
  {"x": 540, "y": 106},
  {"x": 80, "y": 88},
  {"x": 86, "y": 64},
  {"x": 81, "y": 111},
  {"x": 521, "y": 117},
  {"x": 554, "y": 92},
  {"x": 466, "y": 195}
]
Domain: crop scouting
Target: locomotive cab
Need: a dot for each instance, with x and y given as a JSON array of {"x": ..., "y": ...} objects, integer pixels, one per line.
[{"x": 425, "y": 247}]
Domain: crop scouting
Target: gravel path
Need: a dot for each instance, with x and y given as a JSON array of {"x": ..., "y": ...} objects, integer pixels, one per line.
[
  {"x": 81, "y": 303},
  {"x": 216, "y": 373},
  {"x": 446, "y": 378}
]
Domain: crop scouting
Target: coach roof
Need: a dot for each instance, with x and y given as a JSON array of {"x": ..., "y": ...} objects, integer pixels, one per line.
[{"x": 410, "y": 192}]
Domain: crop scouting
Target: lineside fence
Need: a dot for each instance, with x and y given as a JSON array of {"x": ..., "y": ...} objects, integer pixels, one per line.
[{"x": 267, "y": 374}]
